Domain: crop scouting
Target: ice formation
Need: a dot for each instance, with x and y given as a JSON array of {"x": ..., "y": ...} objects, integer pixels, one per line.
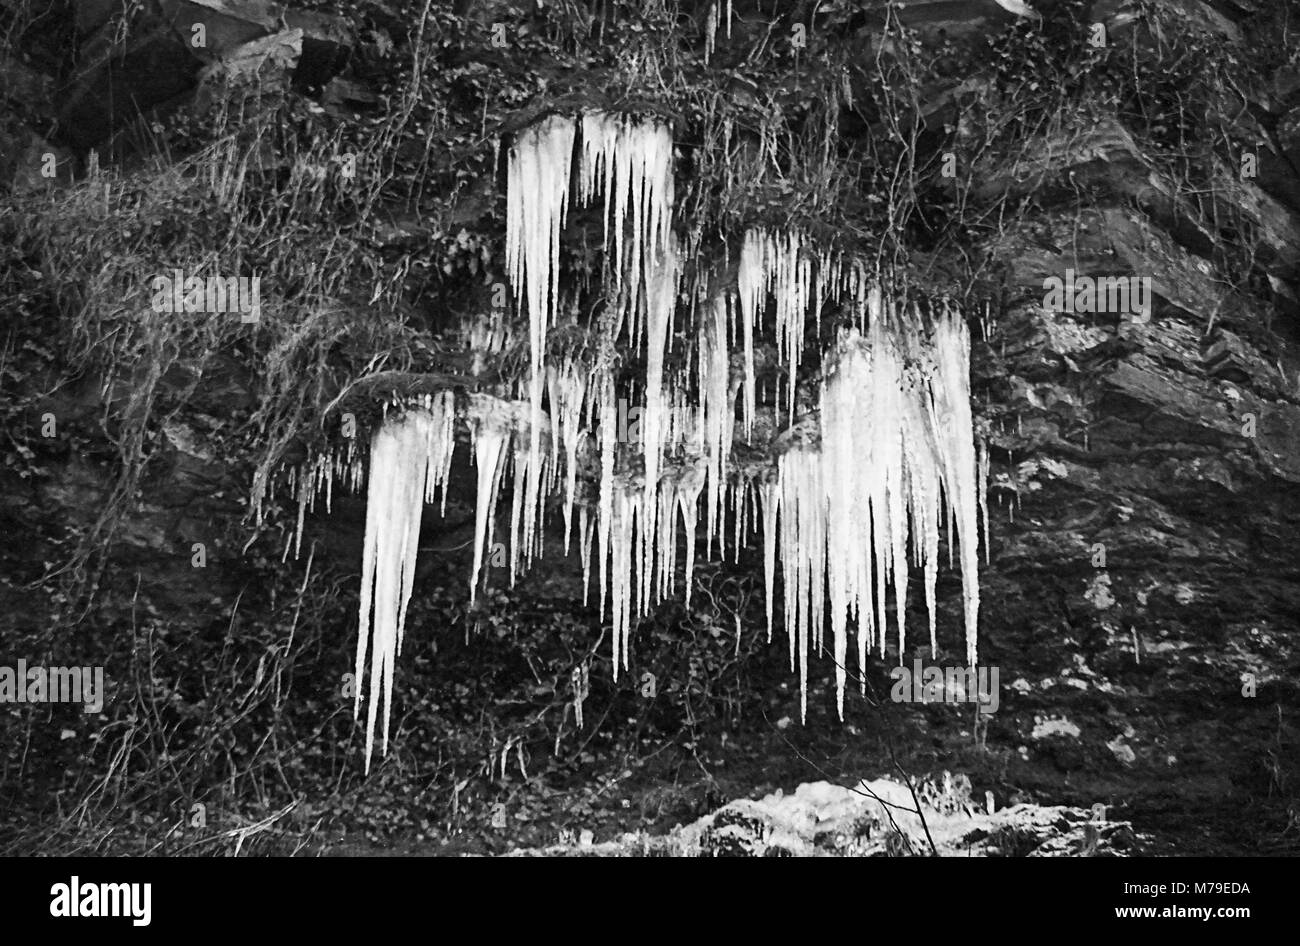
[
  {"x": 850, "y": 508},
  {"x": 410, "y": 456},
  {"x": 897, "y": 446},
  {"x": 536, "y": 200}
]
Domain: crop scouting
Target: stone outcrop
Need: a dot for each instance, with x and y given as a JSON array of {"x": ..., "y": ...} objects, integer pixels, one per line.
[
  {"x": 150, "y": 59},
  {"x": 880, "y": 818}
]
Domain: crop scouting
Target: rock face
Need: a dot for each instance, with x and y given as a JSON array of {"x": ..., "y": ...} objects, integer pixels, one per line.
[
  {"x": 1142, "y": 591},
  {"x": 152, "y": 59}
]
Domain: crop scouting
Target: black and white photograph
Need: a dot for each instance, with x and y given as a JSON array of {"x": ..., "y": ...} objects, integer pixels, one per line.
[{"x": 572, "y": 429}]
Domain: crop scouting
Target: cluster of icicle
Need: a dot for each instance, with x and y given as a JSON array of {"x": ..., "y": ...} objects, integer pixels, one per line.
[
  {"x": 410, "y": 460},
  {"x": 628, "y": 163},
  {"x": 848, "y": 518},
  {"x": 308, "y": 481},
  {"x": 799, "y": 277},
  {"x": 711, "y": 26},
  {"x": 896, "y": 452},
  {"x": 410, "y": 456}
]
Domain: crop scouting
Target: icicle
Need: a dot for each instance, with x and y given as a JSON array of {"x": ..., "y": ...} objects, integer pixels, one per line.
[
  {"x": 665, "y": 542},
  {"x": 896, "y": 440},
  {"x": 584, "y": 547},
  {"x": 803, "y": 552},
  {"x": 407, "y": 459},
  {"x": 491, "y": 437},
  {"x": 329, "y": 475},
  {"x": 552, "y": 374},
  {"x": 789, "y": 274},
  {"x": 984, "y": 493},
  {"x": 717, "y": 399},
  {"x": 751, "y": 281},
  {"x": 567, "y": 389},
  {"x": 956, "y": 449},
  {"x": 644, "y": 552},
  {"x": 771, "y": 499},
  {"x": 608, "y": 447},
  {"x": 531, "y": 469},
  {"x": 737, "y": 500},
  {"x": 631, "y": 161},
  {"x": 536, "y": 200},
  {"x": 780, "y": 264},
  {"x": 660, "y": 301},
  {"x": 520, "y": 461},
  {"x": 622, "y": 567},
  {"x": 302, "y": 515},
  {"x": 688, "y": 499},
  {"x": 710, "y": 32}
]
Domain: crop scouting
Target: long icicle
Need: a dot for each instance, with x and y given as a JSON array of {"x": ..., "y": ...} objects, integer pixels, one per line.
[
  {"x": 536, "y": 201},
  {"x": 409, "y": 457}
]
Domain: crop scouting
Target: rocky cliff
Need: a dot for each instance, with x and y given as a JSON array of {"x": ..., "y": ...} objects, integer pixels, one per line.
[{"x": 1140, "y": 596}]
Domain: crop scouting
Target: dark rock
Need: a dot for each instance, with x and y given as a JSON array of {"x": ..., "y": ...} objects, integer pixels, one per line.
[
  {"x": 1228, "y": 357},
  {"x": 163, "y": 57},
  {"x": 1278, "y": 173},
  {"x": 127, "y": 81},
  {"x": 90, "y": 15},
  {"x": 24, "y": 87},
  {"x": 1177, "y": 276},
  {"x": 327, "y": 46},
  {"x": 1285, "y": 87},
  {"x": 29, "y": 162},
  {"x": 225, "y": 24},
  {"x": 1132, "y": 20},
  {"x": 343, "y": 93},
  {"x": 733, "y": 834},
  {"x": 265, "y": 60},
  {"x": 1288, "y": 136},
  {"x": 1276, "y": 229},
  {"x": 1077, "y": 155}
]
